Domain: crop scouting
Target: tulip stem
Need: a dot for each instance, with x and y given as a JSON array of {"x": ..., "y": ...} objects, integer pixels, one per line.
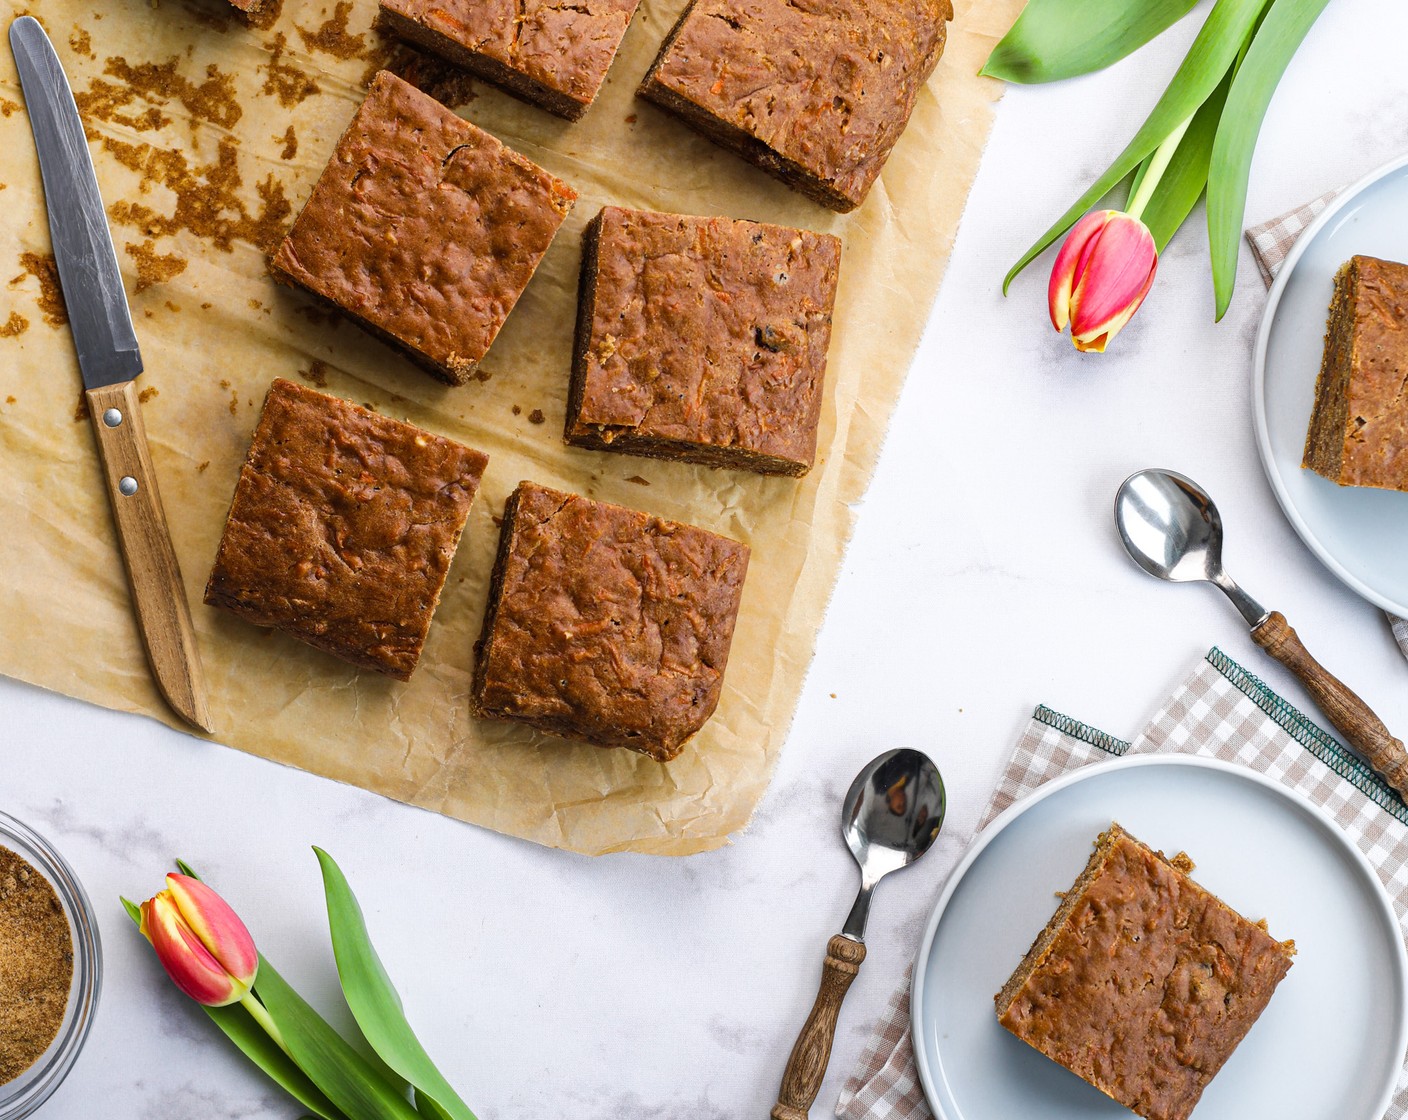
[
  {"x": 1158, "y": 164},
  {"x": 261, "y": 1016}
]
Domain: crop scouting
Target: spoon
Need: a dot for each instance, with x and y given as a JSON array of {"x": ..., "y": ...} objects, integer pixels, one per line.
[
  {"x": 1173, "y": 531},
  {"x": 892, "y": 815}
]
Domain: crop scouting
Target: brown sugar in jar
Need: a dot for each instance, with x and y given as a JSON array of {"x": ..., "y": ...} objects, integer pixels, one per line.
[{"x": 36, "y": 965}]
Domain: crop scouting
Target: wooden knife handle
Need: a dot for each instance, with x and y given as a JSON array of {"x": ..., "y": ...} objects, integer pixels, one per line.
[
  {"x": 1364, "y": 730},
  {"x": 154, "y": 576},
  {"x": 807, "y": 1064}
]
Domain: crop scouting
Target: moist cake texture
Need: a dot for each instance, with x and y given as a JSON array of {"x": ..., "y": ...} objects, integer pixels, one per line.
[
  {"x": 424, "y": 229},
  {"x": 605, "y": 624},
  {"x": 547, "y": 52},
  {"x": 1143, "y": 983},
  {"x": 342, "y": 528},
  {"x": 815, "y": 92},
  {"x": 1359, "y": 425},
  {"x": 702, "y": 339}
]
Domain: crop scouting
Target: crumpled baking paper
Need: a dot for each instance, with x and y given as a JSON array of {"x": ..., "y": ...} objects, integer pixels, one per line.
[{"x": 207, "y": 133}]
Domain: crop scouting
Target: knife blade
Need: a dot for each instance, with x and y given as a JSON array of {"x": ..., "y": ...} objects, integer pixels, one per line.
[{"x": 110, "y": 360}]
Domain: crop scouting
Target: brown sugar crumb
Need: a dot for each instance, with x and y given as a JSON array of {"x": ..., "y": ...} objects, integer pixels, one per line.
[
  {"x": 638, "y": 480},
  {"x": 7, "y": 107},
  {"x": 153, "y": 267},
  {"x": 208, "y": 203},
  {"x": 37, "y": 949},
  {"x": 517, "y": 411},
  {"x": 9, "y": 400},
  {"x": 631, "y": 119},
  {"x": 43, "y": 268},
  {"x": 172, "y": 306},
  {"x": 224, "y": 384},
  {"x": 206, "y": 306},
  {"x": 316, "y": 373},
  {"x": 81, "y": 42},
  {"x": 333, "y": 37},
  {"x": 450, "y": 85},
  {"x": 14, "y": 326},
  {"x": 148, "y": 393},
  {"x": 202, "y": 467},
  {"x": 80, "y": 410},
  {"x": 284, "y": 80},
  {"x": 234, "y": 404},
  {"x": 255, "y": 305},
  {"x": 290, "y": 144},
  {"x": 536, "y": 416}
]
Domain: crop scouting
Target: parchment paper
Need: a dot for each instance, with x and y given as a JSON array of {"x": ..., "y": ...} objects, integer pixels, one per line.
[{"x": 207, "y": 135}]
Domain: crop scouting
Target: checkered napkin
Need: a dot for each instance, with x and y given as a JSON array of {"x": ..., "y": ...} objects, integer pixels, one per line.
[
  {"x": 1220, "y": 710},
  {"x": 1270, "y": 243}
]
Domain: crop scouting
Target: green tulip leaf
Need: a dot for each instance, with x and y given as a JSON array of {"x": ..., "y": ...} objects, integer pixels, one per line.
[
  {"x": 349, "y": 1080},
  {"x": 241, "y": 1029},
  {"x": 427, "y": 1107},
  {"x": 1207, "y": 63},
  {"x": 1187, "y": 174},
  {"x": 1055, "y": 39},
  {"x": 1282, "y": 31},
  {"x": 374, "y": 1001}
]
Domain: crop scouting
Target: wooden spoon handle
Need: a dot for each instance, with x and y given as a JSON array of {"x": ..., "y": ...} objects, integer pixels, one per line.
[
  {"x": 807, "y": 1065},
  {"x": 1364, "y": 730}
]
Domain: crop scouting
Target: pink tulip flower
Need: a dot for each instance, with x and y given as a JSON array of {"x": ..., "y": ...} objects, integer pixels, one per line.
[
  {"x": 201, "y": 942},
  {"x": 1101, "y": 276}
]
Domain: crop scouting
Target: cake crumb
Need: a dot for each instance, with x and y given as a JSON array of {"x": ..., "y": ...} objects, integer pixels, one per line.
[
  {"x": 13, "y": 327},
  {"x": 234, "y": 403},
  {"x": 148, "y": 393},
  {"x": 284, "y": 80},
  {"x": 316, "y": 373},
  {"x": 80, "y": 412},
  {"x": 201, "y": 467},
  {"x": 290, "y": 139},
  {"x": 153, "y": 267},
  {"x": 81, "y": 43},
  {"x": 10, "y": 400},
  {"x": 517, "y": 411},
  {"x": 43, "y": 268},
  {"x": 7, "y": 107},
  {"x": 536, "y": 416},
  {"x": 332, "y": 37}
]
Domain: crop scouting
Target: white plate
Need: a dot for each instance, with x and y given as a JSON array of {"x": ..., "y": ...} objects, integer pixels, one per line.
[
  {"x": 1359, "y": 534},
  {"x": 1331, "y": 1042}
]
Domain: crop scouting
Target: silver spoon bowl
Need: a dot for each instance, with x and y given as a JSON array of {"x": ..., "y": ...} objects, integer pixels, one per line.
[{"x": 1171, "y": 529}]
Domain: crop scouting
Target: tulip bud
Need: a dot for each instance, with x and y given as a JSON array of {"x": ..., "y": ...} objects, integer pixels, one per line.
[
  {"x": 1102, "y": 274},
  {"x": 200, "y": 941}
]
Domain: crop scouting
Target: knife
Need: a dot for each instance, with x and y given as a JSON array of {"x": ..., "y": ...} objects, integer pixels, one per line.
[{"x": 110, "y": 361}]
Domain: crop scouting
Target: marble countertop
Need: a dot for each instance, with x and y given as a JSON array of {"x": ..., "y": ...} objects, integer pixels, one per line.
[{"x": 984, "y": 579}]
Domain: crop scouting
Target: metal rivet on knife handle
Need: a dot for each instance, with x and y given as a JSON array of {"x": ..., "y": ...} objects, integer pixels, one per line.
[
  {"x": 128, "y": 485},
  {"x": 112, "y": 418}
]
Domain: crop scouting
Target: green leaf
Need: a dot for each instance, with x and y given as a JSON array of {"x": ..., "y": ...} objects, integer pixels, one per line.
[
  {"x": 1055, "y": 39},
  {"x": 427, "y": 1107},
  {"x": 1208, "y": 61},
  {"x": 1286, "y": 25},
  {"x": 241, "y": 1029},
  {"x": 374, "y": 1000},
  {"x": 1187, "y": 174},
  {"x": 348, "y": 1079}
]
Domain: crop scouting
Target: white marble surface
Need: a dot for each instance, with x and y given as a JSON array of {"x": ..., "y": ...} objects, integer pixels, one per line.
[{"x": 984, "y": 579}]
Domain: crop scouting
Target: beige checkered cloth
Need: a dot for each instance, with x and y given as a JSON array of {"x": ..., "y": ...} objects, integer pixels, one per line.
[
  {"x": 1220, "y": 710},
  {"x": 1270, "y": 243}
]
